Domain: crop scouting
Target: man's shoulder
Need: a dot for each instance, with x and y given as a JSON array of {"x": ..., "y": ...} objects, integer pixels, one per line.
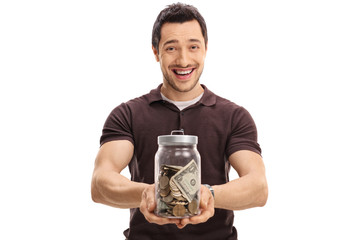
[
  {"x": 229, "y": 109},
  {"x": 143, "y": 100},
  {"x": 214, "y": 100},
  {"x": 225, "y": 103}
]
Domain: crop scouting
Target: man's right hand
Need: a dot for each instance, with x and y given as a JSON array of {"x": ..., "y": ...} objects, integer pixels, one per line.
[{"x": 147, "y": 207}]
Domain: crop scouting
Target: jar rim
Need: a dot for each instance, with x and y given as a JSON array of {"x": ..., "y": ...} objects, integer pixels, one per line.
[{"x": 177, "y": 139}]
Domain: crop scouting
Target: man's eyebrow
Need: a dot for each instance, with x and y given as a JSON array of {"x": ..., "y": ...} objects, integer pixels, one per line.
[
  {"x": 176, "y": 41},
  {"x": 170, "y": 42},
  {"x": 194, "y": 40}
]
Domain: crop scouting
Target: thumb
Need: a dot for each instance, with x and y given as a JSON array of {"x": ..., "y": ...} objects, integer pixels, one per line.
[
  {"x": 150, "y": 206},
  {"x": 149, "y": 197}
]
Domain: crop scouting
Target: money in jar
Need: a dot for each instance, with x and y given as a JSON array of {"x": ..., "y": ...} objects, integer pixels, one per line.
[{"x": 177, "y": 176}]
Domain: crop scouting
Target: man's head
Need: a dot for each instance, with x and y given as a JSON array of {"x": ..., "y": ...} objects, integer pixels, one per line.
[
  {"x": 180, "y": 45},
  {"x": 177, "y": 13}
]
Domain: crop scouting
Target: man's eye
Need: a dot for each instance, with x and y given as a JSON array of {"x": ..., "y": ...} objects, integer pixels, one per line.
[
  {"x": 170, "y": 49},
  {"x": 194, "y": 47}
]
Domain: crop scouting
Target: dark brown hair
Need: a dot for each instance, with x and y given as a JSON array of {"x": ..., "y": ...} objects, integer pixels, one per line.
[{"x": 177, "y": 13}]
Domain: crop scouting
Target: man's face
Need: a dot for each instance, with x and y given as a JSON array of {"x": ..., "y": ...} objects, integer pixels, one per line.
[{"x": 182, "y": 52}]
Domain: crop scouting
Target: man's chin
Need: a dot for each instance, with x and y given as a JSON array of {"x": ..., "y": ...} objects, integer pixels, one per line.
[{"x": 185, "y": 87}]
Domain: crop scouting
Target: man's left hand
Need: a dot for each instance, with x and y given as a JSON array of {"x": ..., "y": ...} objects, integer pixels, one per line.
[{"x": 206, "y": 208}]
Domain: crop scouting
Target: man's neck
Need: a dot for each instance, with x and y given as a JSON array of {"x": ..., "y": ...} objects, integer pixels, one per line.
[{"x": 174, "y": 95}]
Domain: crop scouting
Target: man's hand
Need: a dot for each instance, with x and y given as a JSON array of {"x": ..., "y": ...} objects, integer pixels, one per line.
[
  {"x": 206, "y": 208},
  {"x": 147, "y": 207}
]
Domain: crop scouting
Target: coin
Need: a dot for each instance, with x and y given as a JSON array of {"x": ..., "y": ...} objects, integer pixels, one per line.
[
  {"x": 168, "y": 198},
  {"x": 163, "y": 182},
  {"x": 176, "y": 202},
  {"x": 173, "y": 187},
  {"x": 193, "y": 207},
  {"x": 181, "y": 198},
  {"x": 176, "y": 194},
  {"x": 179, "y": 211},
  {"x": 165, "y": 192}
]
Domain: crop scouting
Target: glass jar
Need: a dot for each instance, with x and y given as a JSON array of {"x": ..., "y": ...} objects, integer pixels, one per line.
[{"x": 177, "y": 176}]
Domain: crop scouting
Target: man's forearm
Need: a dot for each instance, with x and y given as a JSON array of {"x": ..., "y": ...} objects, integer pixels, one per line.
[
  {"x": 115, "y": 190},
  {"x": 242, "y": 193}
]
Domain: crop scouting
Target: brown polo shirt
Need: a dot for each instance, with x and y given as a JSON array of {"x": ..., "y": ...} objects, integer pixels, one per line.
[{"x": 222, "y": 128}]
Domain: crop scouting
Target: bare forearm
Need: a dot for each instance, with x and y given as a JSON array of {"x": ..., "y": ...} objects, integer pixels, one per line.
[
  {"x": 115, "y": 190},
  {"x": 242, "y": 193}
]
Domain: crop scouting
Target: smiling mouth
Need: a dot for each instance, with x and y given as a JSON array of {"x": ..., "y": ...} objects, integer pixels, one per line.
[{"x": 183, "y": 73}]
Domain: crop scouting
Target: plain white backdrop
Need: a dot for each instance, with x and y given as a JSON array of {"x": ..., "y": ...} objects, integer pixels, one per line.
[{"x": 294, "y": 65}]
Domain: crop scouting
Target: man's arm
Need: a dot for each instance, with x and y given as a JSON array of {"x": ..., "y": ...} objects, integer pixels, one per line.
[
  {"x": 247, "y": 191},
  {"x": 108, "y": 186}
]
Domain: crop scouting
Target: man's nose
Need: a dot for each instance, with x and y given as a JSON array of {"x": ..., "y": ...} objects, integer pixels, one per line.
[{"x": 183, "y": 58}]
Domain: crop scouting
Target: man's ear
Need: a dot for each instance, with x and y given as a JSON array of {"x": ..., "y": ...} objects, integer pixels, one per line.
[{"x": 156, "y": 54}]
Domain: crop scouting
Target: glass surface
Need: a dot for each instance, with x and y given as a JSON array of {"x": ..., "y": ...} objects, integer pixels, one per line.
[{"x": 177, "y": 181}]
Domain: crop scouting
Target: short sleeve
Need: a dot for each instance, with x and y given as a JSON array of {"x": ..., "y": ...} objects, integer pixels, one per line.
[
  {"x": 243, "y": 133},
  {"x": 118, "y": 125}
]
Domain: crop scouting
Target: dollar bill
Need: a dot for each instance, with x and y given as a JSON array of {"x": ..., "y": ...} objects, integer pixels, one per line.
[{"x": 187, "y": 180}]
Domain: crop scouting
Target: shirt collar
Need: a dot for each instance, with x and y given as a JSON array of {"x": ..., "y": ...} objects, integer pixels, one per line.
[{"x": 208, "y": 99}]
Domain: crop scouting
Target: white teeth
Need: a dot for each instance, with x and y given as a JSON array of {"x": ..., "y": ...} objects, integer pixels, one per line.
[{"x": 183, "y": 72}]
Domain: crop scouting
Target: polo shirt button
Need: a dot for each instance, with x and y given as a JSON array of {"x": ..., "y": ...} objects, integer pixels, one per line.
[{"x": 182, "y": 113}]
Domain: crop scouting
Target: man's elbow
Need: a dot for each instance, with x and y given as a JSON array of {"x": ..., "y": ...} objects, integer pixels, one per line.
[
  {"x": 263, "y": 194},
  {"x": 95, "y": 195}
]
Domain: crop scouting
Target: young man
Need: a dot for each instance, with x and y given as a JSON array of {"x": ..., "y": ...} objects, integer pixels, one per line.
[{"x": 227, "y": 136}]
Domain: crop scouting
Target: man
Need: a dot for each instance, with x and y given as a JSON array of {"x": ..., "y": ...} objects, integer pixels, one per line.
[{"x": 227, "y": 136}]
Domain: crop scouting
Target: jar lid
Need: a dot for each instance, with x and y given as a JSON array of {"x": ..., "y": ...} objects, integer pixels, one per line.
[{"x": 177, "y": 137}]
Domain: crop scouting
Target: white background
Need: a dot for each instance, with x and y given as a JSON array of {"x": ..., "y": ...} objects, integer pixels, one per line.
[{"x": 64, "y": 65}]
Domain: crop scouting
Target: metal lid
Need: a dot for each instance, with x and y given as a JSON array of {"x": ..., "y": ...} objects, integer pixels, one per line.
[{"x": 174, "y": 139}]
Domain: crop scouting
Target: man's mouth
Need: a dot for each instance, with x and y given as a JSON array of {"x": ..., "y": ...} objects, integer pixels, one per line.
[{"x": 183, "y": 72}]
